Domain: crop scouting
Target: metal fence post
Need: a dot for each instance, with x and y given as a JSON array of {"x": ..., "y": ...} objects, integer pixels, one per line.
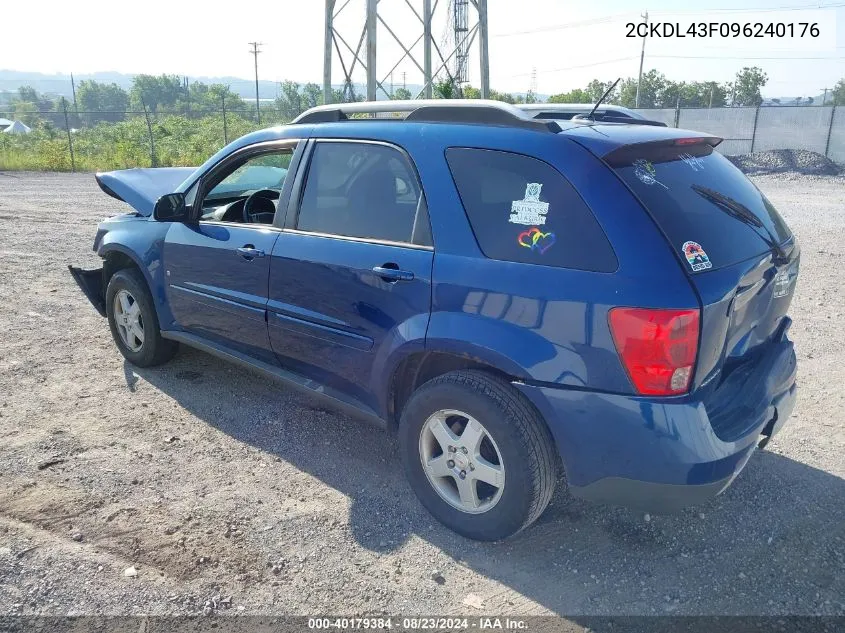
[
  {"x": 677, "y": 111},
  {"x": 225, "y": 128},
  {"x": 754, "y": 131},
  {"x": 69, "y": 138},
  {"x": 150, "y": 130},
  {"x": 829, "y": 130}
]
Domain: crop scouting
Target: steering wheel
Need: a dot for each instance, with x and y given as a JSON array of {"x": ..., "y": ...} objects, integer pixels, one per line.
[{"x": 259, "y": 207}]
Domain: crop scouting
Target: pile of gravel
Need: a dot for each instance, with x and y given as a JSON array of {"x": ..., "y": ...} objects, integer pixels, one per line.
[{"x": 780, "y": 161}]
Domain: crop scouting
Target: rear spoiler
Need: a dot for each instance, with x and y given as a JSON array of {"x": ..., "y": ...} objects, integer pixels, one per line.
[
  {"x": 609, "y": 118},
  {"x": 599, "y": 118},
  {"x": 661, "y": 150}
]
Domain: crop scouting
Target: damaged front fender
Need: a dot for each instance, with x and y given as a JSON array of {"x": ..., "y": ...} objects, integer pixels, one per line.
[{"x": 91, "y": 283}]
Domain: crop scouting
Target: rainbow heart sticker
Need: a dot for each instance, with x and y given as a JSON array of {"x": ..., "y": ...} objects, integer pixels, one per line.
[{"x": 536, "y": 240}]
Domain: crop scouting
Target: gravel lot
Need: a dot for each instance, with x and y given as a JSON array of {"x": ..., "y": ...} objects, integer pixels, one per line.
[{"x": 228, "y": 493}]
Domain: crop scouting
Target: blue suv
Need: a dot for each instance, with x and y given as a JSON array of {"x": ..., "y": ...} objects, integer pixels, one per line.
[{"x": 515, "y": 297}]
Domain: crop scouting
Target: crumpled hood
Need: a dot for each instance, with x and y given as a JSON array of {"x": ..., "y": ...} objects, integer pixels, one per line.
[{"x": 141, "y": 188}]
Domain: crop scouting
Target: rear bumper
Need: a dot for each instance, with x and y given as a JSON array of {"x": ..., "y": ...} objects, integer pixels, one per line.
[
  {"x": 656, "y": 454},
  {"x": 91, "y": 284}
]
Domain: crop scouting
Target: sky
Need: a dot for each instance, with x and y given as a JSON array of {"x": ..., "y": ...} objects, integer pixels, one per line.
[{"x": 551, "y": 45}]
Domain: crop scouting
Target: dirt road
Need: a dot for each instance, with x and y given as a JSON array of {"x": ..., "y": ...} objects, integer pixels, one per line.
[{"x": 226, "y": 492}]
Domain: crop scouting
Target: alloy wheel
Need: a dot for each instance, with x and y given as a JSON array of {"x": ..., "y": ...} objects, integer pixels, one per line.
[
  {"x": 129, "y": 321},
  {"x": 461, "y": 461}
]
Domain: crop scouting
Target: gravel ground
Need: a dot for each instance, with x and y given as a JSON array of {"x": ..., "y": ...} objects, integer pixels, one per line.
[
  {"x": 228, "y": 493},
  {"x": 786, "y": 161}
]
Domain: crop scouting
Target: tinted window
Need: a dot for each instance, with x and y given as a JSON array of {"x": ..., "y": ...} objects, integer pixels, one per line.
[
  {"x": 701, "y": 202},
  {"x": 363, "y": 190},
  {"x": 523, "y": 210}
]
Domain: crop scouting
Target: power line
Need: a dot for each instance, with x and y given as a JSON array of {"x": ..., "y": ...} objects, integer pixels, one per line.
[
  {"x": 742, "y": 58},
  {"x": 559, "y": 70},
  {"x": 761, "y": 9},
  {"x": 558, "y": 27}
]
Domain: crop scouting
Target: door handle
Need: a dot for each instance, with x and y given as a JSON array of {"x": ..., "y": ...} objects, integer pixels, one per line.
[
  {"x": 249, "y": 252},
  {"x": 391, "y": 272}
]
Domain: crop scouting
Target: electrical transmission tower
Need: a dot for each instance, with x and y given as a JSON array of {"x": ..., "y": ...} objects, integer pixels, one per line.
[
  {"x": 337, "y": 46},
  {"x": 460, "y": 11}
]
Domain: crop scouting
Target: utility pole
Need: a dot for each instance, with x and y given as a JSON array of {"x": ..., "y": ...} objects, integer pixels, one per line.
[
  {"x": 824, "y": 98},
  {"x": 481, "y": 7},
  {"x": 642, "y": 57},
  {"x": 711, "y": 96},
  {"x": 404, "y": 83},
  {"x": 255, "y": 52}
]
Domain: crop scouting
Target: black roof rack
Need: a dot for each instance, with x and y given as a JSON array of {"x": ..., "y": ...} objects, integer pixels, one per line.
[{"x": 477, "y": 111}]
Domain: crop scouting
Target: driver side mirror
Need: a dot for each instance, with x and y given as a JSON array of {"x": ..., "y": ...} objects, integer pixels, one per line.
[{"x": 171, "y": 208}]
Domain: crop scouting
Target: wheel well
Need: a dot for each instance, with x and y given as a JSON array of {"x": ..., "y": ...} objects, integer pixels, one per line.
[
  {"x": 419, "y": 368},
  {"x": 115, "y": 261}
]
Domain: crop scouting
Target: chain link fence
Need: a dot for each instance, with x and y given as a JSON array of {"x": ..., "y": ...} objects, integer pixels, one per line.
[
  {"x": 818, "y": 129},
  {"x": 74, "y": 140},
  {"x": 67, "y": 139}
]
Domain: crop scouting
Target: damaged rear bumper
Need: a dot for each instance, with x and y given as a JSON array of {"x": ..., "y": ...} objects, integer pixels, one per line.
[{"x": 91, "y": 284}]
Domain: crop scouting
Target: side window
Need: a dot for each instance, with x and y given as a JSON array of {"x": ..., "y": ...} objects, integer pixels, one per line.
[
  {"x": 231, "y": 198},
  {"x": 363, "y": 190},
  {"x": 523, "y": 210},
  {"x": 265, "y": 171}
]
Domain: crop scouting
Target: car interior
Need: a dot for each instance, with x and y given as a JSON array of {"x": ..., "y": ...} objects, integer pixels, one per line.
[
  {"x": 249, "y": 194},
  {"x": 355, "y": 192}
]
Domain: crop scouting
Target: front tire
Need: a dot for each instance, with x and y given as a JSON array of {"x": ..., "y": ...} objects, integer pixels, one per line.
[
  {"x": 477, "y": 455},
  {"x": 133, "y": 321}
]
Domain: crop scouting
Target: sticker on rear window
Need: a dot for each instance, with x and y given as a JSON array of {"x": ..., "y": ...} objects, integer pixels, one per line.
[
  {"x": 536, "y": 240},
  {"x": 645, "y": 171},
  {"x": 694, "y": 162},
  {"x": 529, "y": 210},
  {"x": 696, "y": 257}
]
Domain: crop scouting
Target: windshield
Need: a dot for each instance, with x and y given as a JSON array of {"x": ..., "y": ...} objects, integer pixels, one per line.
[{"x": 697, "y": 196}]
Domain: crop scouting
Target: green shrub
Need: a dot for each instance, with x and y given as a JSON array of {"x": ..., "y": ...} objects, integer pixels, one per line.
[{"x": 179, "y": 142}]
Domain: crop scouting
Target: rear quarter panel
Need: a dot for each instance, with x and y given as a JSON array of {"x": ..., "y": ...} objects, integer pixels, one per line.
[{"x": 541, "y": 323}]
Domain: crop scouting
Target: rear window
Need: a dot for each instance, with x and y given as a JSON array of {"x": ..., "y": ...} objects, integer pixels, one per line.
[
  {"x": 710, "y": 212},
  {"x": 523, "y": 210}
]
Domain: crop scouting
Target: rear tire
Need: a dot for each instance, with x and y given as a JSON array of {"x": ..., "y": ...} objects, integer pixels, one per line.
[
  {"x": 472, "y": 403},
  {"x": 133, "y": 321}
]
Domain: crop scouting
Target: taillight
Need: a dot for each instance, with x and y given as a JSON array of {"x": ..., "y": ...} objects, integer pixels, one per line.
[{"x": 657, "y": 347}]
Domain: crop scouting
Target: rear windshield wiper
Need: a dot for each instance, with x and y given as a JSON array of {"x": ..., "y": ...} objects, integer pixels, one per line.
[
  {"x": 728, "y": 205},
  {"x": 743, "y": 214}
]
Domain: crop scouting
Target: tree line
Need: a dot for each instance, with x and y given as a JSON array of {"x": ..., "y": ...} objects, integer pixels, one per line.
[{"x": 98, "y": 102}]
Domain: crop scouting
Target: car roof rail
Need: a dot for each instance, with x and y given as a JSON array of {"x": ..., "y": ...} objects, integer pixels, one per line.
[{"x": 479, "y": 111}]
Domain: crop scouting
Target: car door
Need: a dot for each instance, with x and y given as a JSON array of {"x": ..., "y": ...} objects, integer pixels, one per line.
[
  {"x": 350, "y": 275},
  {"x": 217, "y": 269}
]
